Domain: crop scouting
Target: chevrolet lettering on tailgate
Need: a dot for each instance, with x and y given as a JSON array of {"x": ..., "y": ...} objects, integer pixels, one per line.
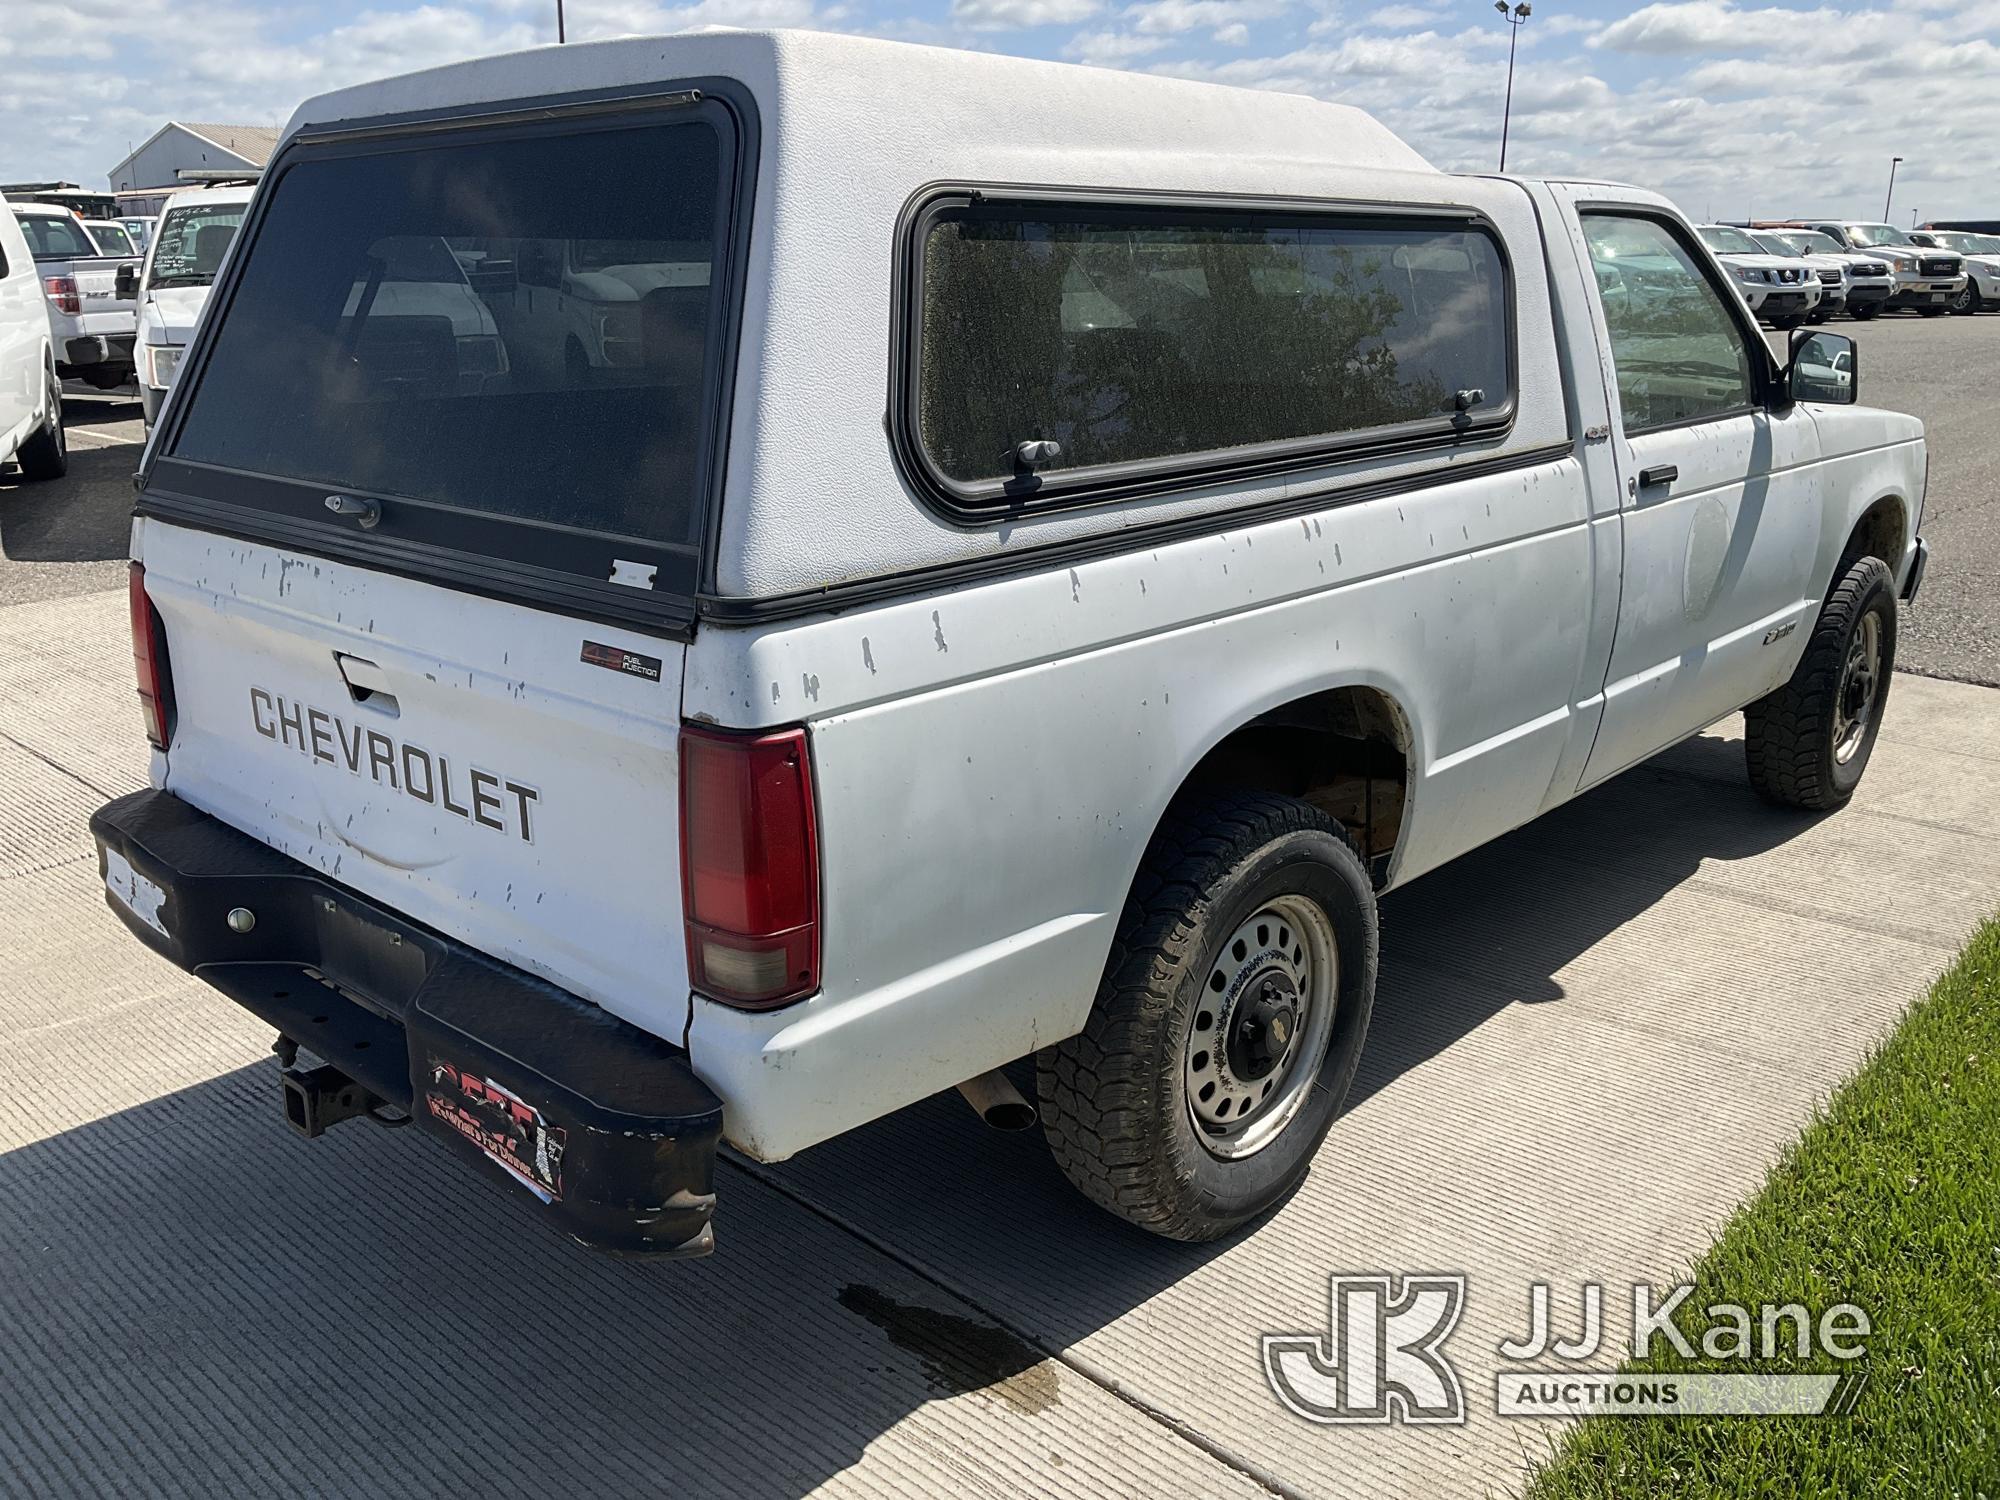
[{"x": 476, "y": 795}]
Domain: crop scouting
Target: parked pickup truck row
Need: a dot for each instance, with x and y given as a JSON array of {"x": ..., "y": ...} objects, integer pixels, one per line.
[
  {"x": 880, "y": 599},
  {"x": 92, "y": 325},
  {"x": 120, "y": 307}
]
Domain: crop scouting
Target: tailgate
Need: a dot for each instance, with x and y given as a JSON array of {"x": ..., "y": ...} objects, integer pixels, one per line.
[
  {"x": 96, "y": 289},
  {"x": 460, "y": 759},
  {"x": 405, "y": 489}
]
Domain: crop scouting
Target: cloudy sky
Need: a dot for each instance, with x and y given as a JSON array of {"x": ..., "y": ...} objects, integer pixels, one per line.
[{"x": 1734, "y": 109}]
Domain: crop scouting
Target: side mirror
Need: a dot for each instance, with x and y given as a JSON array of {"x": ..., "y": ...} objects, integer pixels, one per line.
[
  {"x": 1824, "y": 367},
  {"x": 126, "y": 287}
]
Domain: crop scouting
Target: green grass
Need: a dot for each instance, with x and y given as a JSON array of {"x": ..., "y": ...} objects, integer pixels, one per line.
[{"x": 1890, "y": 1200}]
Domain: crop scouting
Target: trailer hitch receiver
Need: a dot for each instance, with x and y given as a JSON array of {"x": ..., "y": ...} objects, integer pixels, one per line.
[{"x": 317, "y": 1099}]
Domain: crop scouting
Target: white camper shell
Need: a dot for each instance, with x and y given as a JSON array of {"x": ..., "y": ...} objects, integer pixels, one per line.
[{"x": 932, "y": 560}]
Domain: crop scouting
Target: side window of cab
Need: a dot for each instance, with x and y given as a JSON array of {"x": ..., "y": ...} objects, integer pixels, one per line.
[{"x": 1679, "y": 353}]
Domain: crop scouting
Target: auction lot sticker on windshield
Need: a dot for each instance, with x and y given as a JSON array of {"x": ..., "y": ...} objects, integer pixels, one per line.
[{"x": 133, "y": 891}]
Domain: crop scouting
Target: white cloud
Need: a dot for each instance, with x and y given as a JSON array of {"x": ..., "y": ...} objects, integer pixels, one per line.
[
  {"x": 1401, "y": 17},
  {"x": 1173, "y": 17},
  {"x": 1235, "y": 34},
  {"x": 1111, "y": 49},
  {"x": 1690, "y": 26},
  {"x": 1003, "y": 15}
]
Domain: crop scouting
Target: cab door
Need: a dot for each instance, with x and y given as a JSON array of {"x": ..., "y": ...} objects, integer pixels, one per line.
[
  {"x": 1718, "y": 492},
  {"x": 24, "y": 328}
]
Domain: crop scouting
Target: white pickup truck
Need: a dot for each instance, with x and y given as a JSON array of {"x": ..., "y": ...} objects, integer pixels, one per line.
[
  {"x": 89, "y": 313},
  {"x": 193, "y": 234},
  {"x": 1928, "y": 280},
  {"x": 1061, "y": 545},
  {"x": 1782, "y": 290},
  {"x": 1982, "y": 265},
  {"x": 31, "y": 420}
]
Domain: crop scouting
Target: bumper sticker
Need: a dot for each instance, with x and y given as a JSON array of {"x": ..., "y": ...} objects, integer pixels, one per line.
[
  {"x": 505, "y": 1127},
  {"x": 133, "y": 891}
]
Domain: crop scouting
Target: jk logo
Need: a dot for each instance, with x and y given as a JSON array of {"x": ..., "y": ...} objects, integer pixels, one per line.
[{"x": 1381, "y": 1359}]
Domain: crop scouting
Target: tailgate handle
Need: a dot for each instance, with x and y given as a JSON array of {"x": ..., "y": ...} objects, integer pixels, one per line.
[{"x": 366, "y": 683}]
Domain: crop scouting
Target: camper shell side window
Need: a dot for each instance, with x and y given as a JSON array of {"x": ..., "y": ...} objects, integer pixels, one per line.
[{"x": 1059, "y": 351}]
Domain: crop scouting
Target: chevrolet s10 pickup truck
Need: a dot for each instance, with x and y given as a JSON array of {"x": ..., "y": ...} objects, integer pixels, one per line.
[{"x": 1025, "y": 558}]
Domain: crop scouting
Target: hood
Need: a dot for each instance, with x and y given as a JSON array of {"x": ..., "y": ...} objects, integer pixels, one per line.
[
  {"x": 1772, "y": 265},
  {"x": 175, "y": 310}
]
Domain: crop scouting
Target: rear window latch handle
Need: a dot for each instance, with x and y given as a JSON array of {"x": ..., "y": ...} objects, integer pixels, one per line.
[{"x": 367, "y": 513}]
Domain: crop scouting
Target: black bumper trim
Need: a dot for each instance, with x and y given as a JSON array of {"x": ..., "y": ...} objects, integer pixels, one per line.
[{"x": 605, "y": 1124}]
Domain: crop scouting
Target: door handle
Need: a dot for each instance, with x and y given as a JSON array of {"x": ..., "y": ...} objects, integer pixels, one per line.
[{"x": 1658, "y": 474}]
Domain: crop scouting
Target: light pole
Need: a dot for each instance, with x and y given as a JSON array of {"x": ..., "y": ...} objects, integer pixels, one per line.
[
  {"x": 560, "y": 38},
  {"x": 1516, "y": 19},
  {"x": 1892, "y": 187}
]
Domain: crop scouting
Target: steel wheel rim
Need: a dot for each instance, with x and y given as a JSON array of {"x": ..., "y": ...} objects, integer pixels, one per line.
[
  {"x": 1860, "y": 684},
  {"x": 55, "y": 416},
  {"x": 1268, "y": 1000}
]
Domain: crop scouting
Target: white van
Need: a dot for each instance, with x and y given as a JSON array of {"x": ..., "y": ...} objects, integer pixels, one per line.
[
  {"x": 31, "y": 419},
  {"x": 1041, "y": 550}
]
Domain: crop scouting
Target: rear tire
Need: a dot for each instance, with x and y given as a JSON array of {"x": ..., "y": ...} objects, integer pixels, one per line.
[
  {"x": 1864, "y": 311},
  {"x": 45, "y": 454},
  {"x": 1807, "y": 744},
  {"x": 1251, "y": 921}
]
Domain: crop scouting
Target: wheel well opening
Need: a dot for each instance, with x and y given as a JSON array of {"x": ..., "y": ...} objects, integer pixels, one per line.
[
  {"x": 1879, "y": 533},
  {"x": 1344, "y": 750}
]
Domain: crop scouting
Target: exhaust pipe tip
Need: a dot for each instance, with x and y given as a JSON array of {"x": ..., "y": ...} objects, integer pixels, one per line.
[{"x": 998, "y": 1102}]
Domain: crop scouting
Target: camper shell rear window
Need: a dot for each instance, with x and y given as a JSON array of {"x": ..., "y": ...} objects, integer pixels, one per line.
[
  {"x": 1059, "y": 351},
  {"x": 507, "y": 341}
]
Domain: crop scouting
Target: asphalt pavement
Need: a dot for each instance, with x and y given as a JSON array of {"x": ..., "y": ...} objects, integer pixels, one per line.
[{"x": 73, "y": 535}]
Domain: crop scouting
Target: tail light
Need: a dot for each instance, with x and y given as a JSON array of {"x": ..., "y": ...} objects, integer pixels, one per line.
[
  {"x": 149, "y": 658},
  {"x": 749, "y": 866},
  {"x": 62, "y": 291}
]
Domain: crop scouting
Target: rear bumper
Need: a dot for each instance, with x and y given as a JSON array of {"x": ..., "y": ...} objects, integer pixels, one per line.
[
  {"x": 99, "y": 349},
  {"x": 606, "y": 1125}
]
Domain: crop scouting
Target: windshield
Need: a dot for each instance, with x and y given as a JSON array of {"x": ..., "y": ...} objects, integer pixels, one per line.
[
  {"x": 111, "y": 239},
  {"x": 55, "y": 237},
  {"x": 1877, "y": 234},
  {"x": 1965, "y": 244},
  {"x": 405, "y": 326},
  {"x": 1725, "y": 241},
  {"x": 1811, "y": 242},
  {"x": 191, "y": 243},
  {"x": 1771, "y": 244}
]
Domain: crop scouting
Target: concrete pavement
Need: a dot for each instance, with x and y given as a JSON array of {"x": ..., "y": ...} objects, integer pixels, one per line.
[{"x": 1591, "y": 1039}]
